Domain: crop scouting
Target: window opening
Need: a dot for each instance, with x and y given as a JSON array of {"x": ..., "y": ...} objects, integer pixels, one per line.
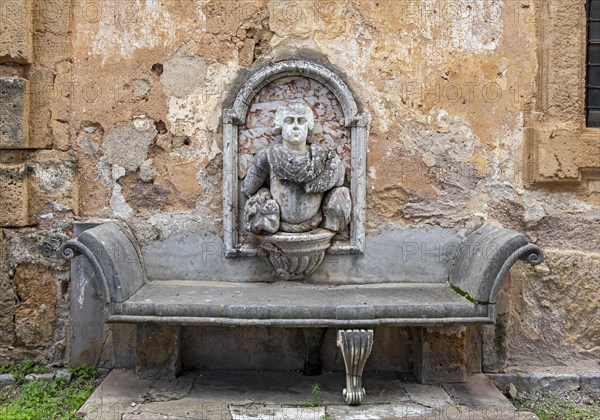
[{"x": 592, "y": 86}]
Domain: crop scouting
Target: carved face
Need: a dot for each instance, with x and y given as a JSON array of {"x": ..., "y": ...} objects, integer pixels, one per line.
[
  {"x": 295, "y": 122},
  {"x": 295, "y": 128}
]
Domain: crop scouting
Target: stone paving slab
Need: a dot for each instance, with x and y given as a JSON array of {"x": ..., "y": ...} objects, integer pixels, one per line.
[
  {"x": 241, "y": 387},
  {"x": 288, "y": 395},
  {"x": 151, "y": 416},
  {"x": 432, "y": 396},
  {"x": 188, "y": 408},
  {"x": 384, "y": 411},
  {"x": 121, "y": 392},
  {"x": 548, "y": 381},
  {"x": 270, "y": 411},
  {"x": 479, "y": 394}
]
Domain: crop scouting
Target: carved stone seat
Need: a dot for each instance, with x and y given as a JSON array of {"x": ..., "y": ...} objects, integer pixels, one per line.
[
  {"x": 466, "y": 295},
  {"x": 292, "y": 304}
]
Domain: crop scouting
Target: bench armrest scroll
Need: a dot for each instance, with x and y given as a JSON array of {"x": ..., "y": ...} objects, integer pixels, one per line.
[
  {"x": 485, "y": 258},
  {"x": 114, "y": 258}
]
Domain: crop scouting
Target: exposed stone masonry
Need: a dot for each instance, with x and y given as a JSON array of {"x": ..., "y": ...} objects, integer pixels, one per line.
[{"x": 38, "y": 189}]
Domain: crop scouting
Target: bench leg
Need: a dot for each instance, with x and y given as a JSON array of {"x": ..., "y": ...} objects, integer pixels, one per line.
[
  {"x": 313, "y": 338},
  {"x": 356, "y": 347},
  {"x": 158, "y": 351}
]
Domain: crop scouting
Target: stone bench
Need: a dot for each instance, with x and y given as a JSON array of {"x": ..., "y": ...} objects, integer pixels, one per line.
[{"x": 160, "y": 307}]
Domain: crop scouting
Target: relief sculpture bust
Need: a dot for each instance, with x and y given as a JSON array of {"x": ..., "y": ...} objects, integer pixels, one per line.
[{"x": 297, "y": 200}]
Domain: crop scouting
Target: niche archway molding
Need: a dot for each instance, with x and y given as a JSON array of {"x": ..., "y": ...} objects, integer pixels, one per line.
[{"x": 235, "y": 117}]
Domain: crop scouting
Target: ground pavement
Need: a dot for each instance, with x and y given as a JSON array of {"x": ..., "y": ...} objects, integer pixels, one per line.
[{"x": 290, "y": 395}]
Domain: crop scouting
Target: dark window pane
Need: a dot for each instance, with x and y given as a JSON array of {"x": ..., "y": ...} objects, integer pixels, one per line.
[
  {"x": 593, "y": 98},
  {"x": 594, "y": 54},
  {"x": 593, "y": 119},
  {"x": 594, "y": 76},
  {"x": 595, "y": 31},
  {"x": 595, "y": 9}
]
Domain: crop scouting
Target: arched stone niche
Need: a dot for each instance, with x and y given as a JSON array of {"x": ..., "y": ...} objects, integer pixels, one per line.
[{"x": 247, "y": 128}]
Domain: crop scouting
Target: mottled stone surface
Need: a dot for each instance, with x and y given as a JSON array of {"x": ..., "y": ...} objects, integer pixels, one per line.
[
  {"x": 313, "y": 339},
  {"x": 36, "y": 186},
  {"x": 36, "y": 189},
  {"x": 158, "y": 351},
  {"x": 35, "y": 317},
  {"x": 6, "y": 286},
  {"x": 34, "y": 285},
  {"x": 251, "y": 411},
  {"x": 53, "y": 186},
  {"x": 479, "y": 394},
  {"x": 145, "y": 197},
  {"x": 432, "y": 396},
  {"x": 403, "y": 255},
  {"x": 16, "y": 30},
  {"x": 183, "y": 75},
  {"x": 127, "y": 145},
  {"x": 495, "y": 344},
  {"x": 7, "y": 329},
  {"x": 147, "y": 171},
  {"x": 294, "y": 304},
  {"x": 123, "y": 346},
  {"x": 473, "y": 349},
  {"x": 287, "y": 395},
  {"x": 115, "y": 396},
  {"x": 552, "y": 312},
  {"x": 63, "y": 375},
  {"x": 6, "y": 379},
  {"x": 14, "y": 113},
  {"x": 45, "y": 377},
  {"x": 85, "y": 309},
  {"x": 14, "y": 199},
  {"x": 440, "y": 354},
  {"x": 140, "y": 89},
  {"x": 590, "y": 382},
  {"x": 547, "y": 381}
]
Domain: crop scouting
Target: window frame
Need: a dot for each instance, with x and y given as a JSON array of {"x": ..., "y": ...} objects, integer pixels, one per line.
[
  {"x": 589, "y": 84},
  {"x": 560, "y": 148}
]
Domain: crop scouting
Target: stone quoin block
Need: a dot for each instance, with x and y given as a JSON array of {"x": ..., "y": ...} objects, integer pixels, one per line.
[
  {"x": 14, "y": 113},
  {"x": 16, "y": 31},
  {"x": 13, "y": 195}
]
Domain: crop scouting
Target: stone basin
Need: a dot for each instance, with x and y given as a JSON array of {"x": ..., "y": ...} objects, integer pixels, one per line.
[{"x": 295, "y": 256}]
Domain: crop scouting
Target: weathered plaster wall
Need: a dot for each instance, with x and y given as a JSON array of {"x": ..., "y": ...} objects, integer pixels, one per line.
[{"x": 133, "y": 118}]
